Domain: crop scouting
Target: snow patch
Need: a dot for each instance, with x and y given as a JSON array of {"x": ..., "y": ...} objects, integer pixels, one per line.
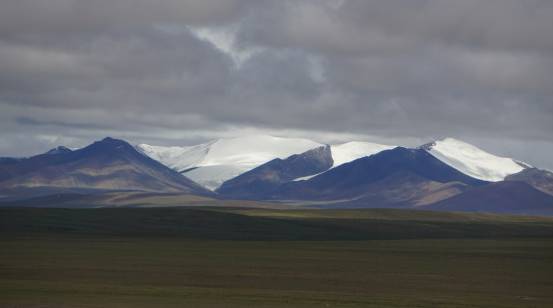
[
  {"x": 350, "y": 151},
  {"x": 222, "y": 159},
  {"x": 473, "y": 161}
]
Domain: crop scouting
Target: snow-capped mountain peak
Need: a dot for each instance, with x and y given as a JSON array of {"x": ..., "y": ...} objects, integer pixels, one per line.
[
  {"x": 349, "y": 151},
  {"x": 346, "y": 152},
  {"x": 254, "y": 150},
  {"x": 472, "y": 160},
  {"x": 176, "y": 157},
  {"x": 214, "y": 162}
]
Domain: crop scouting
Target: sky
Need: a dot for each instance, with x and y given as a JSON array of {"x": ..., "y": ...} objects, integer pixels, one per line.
[{"x": 181, "y": 72}]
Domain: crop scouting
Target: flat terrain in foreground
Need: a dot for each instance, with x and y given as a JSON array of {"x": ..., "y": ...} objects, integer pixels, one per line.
[{"x": 214, "y": 258}]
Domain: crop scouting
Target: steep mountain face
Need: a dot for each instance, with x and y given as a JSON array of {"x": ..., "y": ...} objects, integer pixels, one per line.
[
  {"x": 213, "y": 163},
  {"x": 473, "y": 161},
  {"x": 254, "y": 184},
  {"x": 350, "y": 151},
  {"x": 513, "y": 197},
  {"x": 109, "y": 164},
  {"x": 399, "y": 176},
  {"x": 537, "y": 178}
]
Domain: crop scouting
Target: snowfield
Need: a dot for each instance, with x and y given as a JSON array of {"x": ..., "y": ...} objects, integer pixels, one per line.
[
  {"x": 212, "y": 163},
  {"x": 473, "y": 161},
  {"x": 350, "y": 151}
]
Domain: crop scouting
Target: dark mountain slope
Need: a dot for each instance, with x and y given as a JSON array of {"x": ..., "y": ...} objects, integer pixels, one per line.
[
  {"x": 14, "y": 167},
  {"x": 513, "y": 197},
  {"x": 109, "y": 164},
  {"x": 539, "y": 179},
  {"x": 399, "y": 190},
  {"x": 264, "y": 179},
  {"x": 383, "y": 170}
]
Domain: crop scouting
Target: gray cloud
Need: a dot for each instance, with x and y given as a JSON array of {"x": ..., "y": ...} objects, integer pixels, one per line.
[{"x": 398, "y": 71}]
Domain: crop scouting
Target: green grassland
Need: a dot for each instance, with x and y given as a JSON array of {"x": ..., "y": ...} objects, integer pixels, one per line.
[{"x": 210, "y": 257}]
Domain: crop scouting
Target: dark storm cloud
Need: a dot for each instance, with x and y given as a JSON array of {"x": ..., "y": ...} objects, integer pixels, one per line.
[
  {"x": 397, "y": 70},
  {"x": 62, "y": 17},
  {"x": 25, "y": 121},
  {"x": 371, "y": 25}
]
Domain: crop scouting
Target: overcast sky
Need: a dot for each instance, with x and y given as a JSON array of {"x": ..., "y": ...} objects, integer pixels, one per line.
[{"x": 180, "y": 72}]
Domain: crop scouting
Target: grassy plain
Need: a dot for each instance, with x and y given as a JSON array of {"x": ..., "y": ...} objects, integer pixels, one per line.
[{"x": 266, "y": 258}]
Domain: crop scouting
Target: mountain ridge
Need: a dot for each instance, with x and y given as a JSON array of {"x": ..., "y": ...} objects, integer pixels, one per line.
[
  {"x": 442, "y": 174},
  {"x": 216, "y": 161},
  {"x": 109, "y": 164},
  {"x": 348, "y": 179},
  {"x": 472, "y": 160},
  {"x": 270, "y": 175}
]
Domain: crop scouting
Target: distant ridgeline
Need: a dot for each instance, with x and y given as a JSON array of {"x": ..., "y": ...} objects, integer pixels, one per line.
[{"x": 447, "y": 175}]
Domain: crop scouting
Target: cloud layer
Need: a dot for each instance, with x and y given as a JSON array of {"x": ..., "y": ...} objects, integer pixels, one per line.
[{"x": 179, "y": 72}]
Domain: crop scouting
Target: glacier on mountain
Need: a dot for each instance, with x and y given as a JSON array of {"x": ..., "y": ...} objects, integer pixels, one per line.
[
  {"x": 210, "y": 164},
  {"x": 350, "y": 151},
  {"x": 473, "y": 161}
]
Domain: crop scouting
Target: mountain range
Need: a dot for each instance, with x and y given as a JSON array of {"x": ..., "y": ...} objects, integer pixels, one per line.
[
  {"x": 106, "y": 165},
  {"x": 212, "y": 163},
  {"x": 409, "y": 169},
  {"x": 446, "y": 174}
]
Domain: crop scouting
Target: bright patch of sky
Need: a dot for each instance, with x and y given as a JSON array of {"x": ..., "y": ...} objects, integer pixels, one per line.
[{"x": 224, "y": 39}]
